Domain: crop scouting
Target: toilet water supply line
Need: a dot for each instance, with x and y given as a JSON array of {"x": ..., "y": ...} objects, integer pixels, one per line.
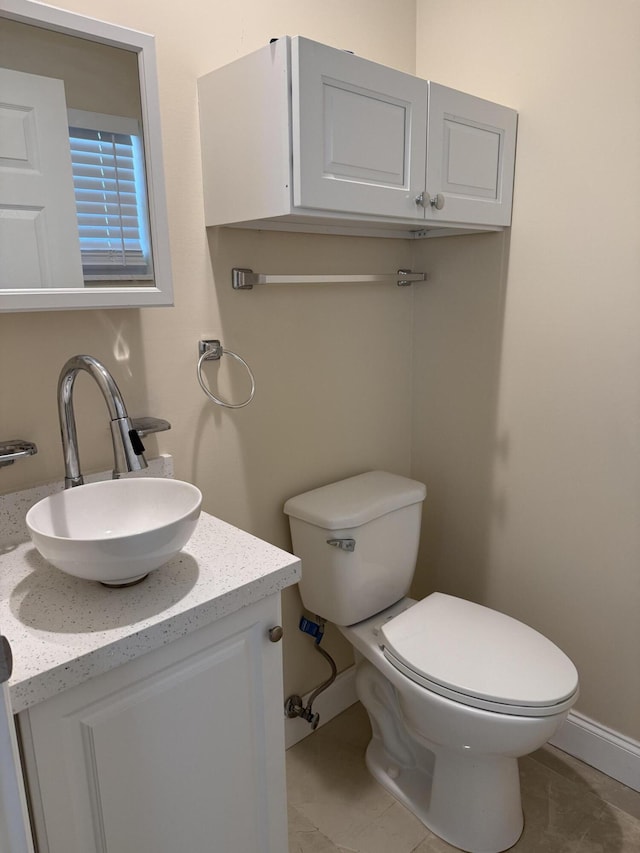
[{"x": 293, "y": 706}]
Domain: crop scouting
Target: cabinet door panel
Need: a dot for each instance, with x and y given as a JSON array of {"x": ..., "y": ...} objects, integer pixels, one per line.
[
  {"x": 358, "y": 133},
  {"x": 169, "y": 739},
  {"x": 470, "y": 157},
  {"x": 179, "y": 750},
  {"x": 363, "y": 136}
]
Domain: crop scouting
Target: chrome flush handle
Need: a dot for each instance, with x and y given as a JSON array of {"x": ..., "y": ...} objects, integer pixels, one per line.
[{"x": 343, "y": 544}]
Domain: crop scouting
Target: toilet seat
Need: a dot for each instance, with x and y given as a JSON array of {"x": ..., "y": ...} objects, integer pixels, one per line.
[{"x": 479, "y": 657}]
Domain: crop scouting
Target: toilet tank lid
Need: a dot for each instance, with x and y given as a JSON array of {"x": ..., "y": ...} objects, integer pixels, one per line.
[{"x": 356, "y": 500}]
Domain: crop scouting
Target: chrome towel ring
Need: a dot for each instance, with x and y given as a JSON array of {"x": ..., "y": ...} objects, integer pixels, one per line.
[{"x": 212, "y": 350}]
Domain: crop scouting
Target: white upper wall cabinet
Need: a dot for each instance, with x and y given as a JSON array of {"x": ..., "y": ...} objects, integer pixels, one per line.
[{"x": 301, "y": 136}]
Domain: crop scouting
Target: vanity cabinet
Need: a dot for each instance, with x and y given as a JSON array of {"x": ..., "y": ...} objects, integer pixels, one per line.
[
  {"x": 302, "y": 136},
  {"x": 179, "y": 749}
]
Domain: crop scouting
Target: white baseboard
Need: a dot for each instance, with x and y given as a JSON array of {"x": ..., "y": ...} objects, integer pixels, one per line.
[
  {"x": 608, "y": 751},
  {"x": 331, "y": 702}
]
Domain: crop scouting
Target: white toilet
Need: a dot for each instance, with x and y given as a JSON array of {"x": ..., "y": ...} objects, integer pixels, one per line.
[{"x": 455, "y": 691}]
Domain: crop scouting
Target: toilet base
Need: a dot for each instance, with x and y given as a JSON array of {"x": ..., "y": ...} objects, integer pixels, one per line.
[
  {"x": 453, "y": 765},
  {"x": 471, "y": 802},
  {"x": 469, "y": 798}
]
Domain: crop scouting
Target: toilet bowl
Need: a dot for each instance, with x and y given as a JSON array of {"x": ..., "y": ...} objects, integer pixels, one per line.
[
  {"x": 451, "y": 759},
  {"x": 455, "y": 692}
]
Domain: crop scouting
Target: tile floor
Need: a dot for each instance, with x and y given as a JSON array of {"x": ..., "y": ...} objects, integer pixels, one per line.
[{"x": 335, "y": 806}]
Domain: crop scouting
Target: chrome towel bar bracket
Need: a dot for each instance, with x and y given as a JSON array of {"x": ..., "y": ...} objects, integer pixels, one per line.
[{"x": 246, "y": 279}]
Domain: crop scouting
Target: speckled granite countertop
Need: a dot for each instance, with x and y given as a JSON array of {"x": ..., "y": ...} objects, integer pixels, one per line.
[{"x": 64, "y": 630}]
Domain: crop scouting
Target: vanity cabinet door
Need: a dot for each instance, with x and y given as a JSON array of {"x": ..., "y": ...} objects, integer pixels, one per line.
[
  {"x": 359, "y": 133},
  {"x": 179, "y": 750},
  {"x": 15, "y": 831},
  {"x": 471, "y": 147}
]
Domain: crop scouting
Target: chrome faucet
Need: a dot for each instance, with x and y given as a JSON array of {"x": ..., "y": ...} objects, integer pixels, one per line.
[{"x": 128, "y": 450}]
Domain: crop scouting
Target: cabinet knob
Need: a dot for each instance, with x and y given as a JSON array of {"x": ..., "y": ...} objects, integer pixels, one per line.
[
  {"x": 437, "y": 201},
  {"x": 423, "y": 200},
  {"x": 276, "y": 633}
]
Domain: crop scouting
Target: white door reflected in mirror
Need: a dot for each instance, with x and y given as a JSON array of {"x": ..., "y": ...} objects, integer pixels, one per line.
[{"x": 39, "y": 244}]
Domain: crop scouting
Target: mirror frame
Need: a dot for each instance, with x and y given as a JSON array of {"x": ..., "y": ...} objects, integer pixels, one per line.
[{"x": 52, "y": 298}]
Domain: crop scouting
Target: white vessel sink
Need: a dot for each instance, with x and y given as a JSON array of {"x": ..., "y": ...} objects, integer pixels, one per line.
[{"x": 115, "y": 531}]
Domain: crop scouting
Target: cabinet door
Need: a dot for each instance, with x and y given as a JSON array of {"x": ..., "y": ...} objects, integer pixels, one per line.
[
  {"x": 470, "y": 157},
  {"x": 15, "y": 831},
  {"x": 359, "y": 133},
  {"x": 179, "y": 750}
]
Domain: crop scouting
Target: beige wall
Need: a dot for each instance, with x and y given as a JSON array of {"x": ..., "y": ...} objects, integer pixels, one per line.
[
  {"x": 527, "y": 391},
  {"x": 332, "y": 364},
  {"x": 97, "y": 77},
  {"x": 525, "y": 395}
]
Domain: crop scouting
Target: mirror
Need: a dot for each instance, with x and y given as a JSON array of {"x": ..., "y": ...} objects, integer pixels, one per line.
[{"x": 83, "y": 219}]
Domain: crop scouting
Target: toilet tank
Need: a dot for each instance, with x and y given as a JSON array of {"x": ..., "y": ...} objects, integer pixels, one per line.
[{"x": 358, "y": 542}]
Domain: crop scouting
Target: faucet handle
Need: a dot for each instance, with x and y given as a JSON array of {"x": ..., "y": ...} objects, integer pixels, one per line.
[{"x": 145, "y": 426}]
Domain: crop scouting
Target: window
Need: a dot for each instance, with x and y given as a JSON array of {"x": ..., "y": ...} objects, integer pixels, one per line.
[{"x": 111, "y": 202}]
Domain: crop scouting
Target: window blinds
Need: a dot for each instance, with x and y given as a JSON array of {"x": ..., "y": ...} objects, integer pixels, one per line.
[{"x": 111, "y": 204}]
